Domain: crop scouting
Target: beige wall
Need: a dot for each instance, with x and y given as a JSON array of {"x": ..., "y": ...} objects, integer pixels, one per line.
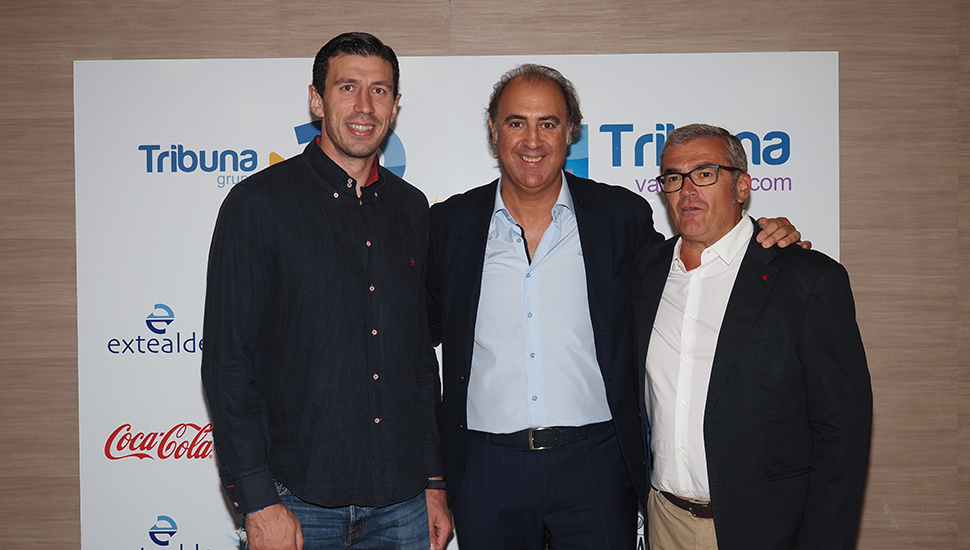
[{"x": 904, "y": 75}]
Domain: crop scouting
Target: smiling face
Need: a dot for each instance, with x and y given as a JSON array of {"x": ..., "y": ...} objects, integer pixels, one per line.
[
  {"x": 531, "y": 135},
  {"x": 357, "y": 108},
  {"x": 702, "y": 215}
]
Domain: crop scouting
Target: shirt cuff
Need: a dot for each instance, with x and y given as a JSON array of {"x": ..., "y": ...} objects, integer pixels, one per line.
[
  {"x": 252, "y": 492},
  {"x": 432, "y": 459}
]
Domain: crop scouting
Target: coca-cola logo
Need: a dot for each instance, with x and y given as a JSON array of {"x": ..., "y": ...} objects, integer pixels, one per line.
[{"x": 182, "y": 441}]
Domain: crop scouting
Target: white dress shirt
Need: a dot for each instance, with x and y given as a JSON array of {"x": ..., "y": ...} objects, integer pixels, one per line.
[
  {"x": 680, "y": 357},
  {"x": 534, "y": 359}
]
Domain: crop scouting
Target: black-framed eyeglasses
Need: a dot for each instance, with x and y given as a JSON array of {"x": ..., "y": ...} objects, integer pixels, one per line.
[{"x": 701, "y": 176}]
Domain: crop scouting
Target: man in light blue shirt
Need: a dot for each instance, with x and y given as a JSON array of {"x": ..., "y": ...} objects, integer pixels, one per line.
[{"x": 560, "y": 381}]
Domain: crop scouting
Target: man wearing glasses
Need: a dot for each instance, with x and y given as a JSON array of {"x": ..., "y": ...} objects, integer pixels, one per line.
[{"x": 757, "y": 388}]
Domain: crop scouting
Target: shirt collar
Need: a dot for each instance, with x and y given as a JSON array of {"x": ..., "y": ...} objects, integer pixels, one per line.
[
  {"x": 335, "y": 176},
  {"x": 728, "y": 247},
  {"x": 563, "y": 201},
  {"x": 373, "y": 173}
]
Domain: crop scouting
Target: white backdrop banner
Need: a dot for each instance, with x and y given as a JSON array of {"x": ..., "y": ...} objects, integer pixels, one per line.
[{"x": 159, "y": 143}]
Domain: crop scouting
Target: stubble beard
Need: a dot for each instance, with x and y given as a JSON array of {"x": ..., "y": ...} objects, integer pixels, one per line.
[{"x": 352, "y": 150}]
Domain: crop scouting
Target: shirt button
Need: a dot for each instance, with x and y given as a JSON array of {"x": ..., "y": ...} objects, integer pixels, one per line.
[
  {"x": 336, "y": 195},
  {"x": 372, "y": 288},
  {"x": 350, "y": 181},
  {"x": 530, "y": 315},
  {"x": 528, "y": 275},
  {"x": 374, "y": 332},
  {"x": 534, "y": 398},
  {"x": 350, "y": 184},
  {"x": 376, "y": 376},
  {"x": 368, "y": 243},
  {"x": 681, "y": 448},
  {"x": 375, "y": 193},
  {"x": 377, "y": 421},
  {"x": 518, "y": 240},
  {"x": 532, "y": 355}
]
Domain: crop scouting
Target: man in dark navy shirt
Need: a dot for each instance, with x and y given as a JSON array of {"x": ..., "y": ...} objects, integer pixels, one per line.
[{"x": 318, "y": 366}]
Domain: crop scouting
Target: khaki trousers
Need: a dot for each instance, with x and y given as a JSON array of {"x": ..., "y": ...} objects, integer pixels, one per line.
[{"x": 672, "y": 528}]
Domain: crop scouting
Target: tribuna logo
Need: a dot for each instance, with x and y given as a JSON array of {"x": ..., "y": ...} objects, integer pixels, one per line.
[
  {"x": 180, "y": 159},
  {"x": 185, "y": 441}
]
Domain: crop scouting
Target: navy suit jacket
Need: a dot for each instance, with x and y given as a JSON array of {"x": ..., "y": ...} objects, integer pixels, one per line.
[
  {"x": 615, "y": 230},
  {"x": 789, "y": 406}
]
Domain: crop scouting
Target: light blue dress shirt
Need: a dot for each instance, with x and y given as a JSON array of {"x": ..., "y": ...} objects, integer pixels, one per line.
[{"x": 534, "y": 360}]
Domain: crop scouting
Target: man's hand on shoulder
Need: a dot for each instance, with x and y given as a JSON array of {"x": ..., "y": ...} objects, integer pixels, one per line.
[
  {"x": 273, "y": 528},
  {"x": 780, "y": 231},
  {"x": 439, "y": 518}
]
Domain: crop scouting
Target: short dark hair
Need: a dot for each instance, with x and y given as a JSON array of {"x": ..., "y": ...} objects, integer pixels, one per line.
[
  {"x": 533, "y": 73},
  {"x": 732, "y": 145},
  {"x": 352, "y": 43}
]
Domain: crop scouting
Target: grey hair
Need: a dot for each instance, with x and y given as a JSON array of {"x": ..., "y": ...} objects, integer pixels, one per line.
[
  {"x": 732, "y": 145},
  {"x": 533, "y": 73}
]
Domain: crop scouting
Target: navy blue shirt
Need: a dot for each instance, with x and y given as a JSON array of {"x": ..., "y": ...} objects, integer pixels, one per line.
[{"x": 318, "y": 367}]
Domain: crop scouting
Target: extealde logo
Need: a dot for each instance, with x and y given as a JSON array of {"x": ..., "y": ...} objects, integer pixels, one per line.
[
  {"x": 164, "y": 530},
  {"x": 158, "y": 322},
  {"x": 162, "y": 534}
]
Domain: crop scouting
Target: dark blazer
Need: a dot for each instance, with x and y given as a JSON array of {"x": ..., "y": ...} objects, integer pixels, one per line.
[
  {"x": 615, "y": 230},
  {"x": 789, "y": 406}
]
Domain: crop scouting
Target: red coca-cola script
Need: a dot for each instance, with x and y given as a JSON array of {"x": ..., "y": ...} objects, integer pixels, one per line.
[{"x": 182, "y": 441}]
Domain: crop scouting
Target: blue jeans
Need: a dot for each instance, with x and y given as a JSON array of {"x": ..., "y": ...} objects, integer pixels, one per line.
[{"x": 401, "y": 526}]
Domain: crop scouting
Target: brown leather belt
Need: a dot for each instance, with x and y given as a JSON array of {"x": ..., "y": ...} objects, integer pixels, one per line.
[
  {"x": 538, "y": 439},
  {"x": 696, "y": 509}
]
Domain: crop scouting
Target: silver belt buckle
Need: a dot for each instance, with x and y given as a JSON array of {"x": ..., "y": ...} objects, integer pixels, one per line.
[{"x": 532, "y": 446}]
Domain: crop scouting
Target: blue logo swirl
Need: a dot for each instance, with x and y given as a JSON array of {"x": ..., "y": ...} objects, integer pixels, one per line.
[
  {"x": 157, "y": 323},
  {"x": 165, "y": 531}
]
